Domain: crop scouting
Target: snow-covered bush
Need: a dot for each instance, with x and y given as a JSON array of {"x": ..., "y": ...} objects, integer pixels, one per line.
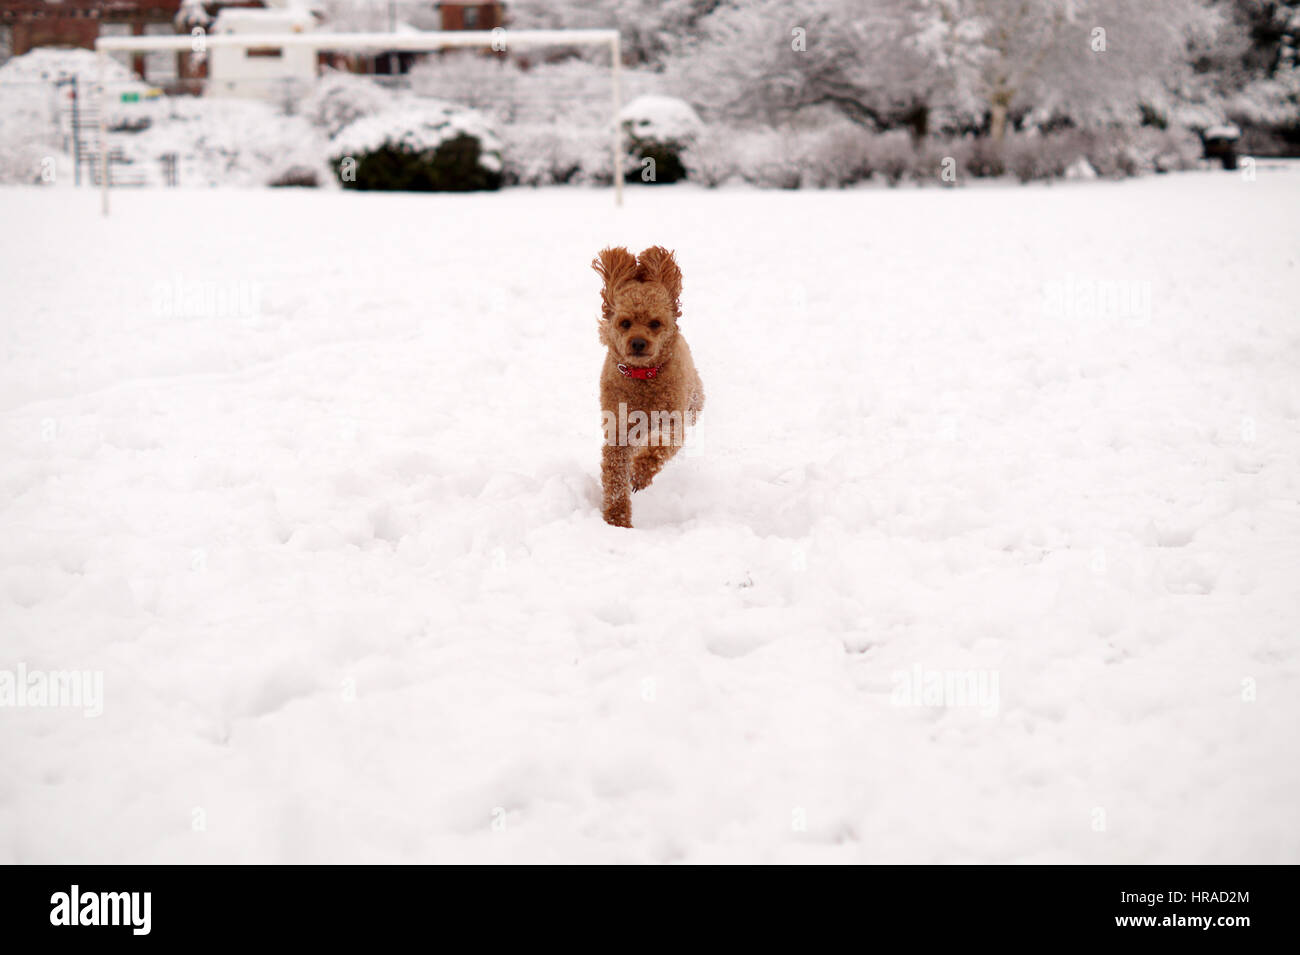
[
  {"x": 661, "y": 129},
  {"x": 427, "y": 146},
  {"x": 29, "y": 134},
  {"x": 339, "y": 99},
  {"x": 769, "y": 158},
  {"x": 838, "y": 156},
  {"x": 985, "y": 159},
  {"x": 1032, "y": 156},
  {"x": 1166, "y": 150},
  {"x": 569, "y": 94},
  {"x": 300, "y": 176},
  {"x": 45, "y": 64},
  {"x": 928, "y": 163},
  {"x": 1113, "y": 152},
  {"x": 227, "y": 142},
  {"x": 936, "y": 151},
  {"x": 1123, "y": 153},
  {"x": 892, "y": 155},
  {"x": 711, "y": 159},
  {"x": 544, "y": 156}
]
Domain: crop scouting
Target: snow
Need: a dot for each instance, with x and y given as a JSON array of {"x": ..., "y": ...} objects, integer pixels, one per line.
[
  {"x": 1224, "y": 131},
  {"x": 47, "y": 64},
  {"x": 192, "y": 14},
  {"x": 223, "y": 141},
  {"x": 661, "y": 118},
  {"x": 35, "y": 114},
  {"x": 1080, "y": 169},
  {"x": 253, "y": 20},
  {"x": 310, "y": 478},
  {"x": 339, "y": 98}
]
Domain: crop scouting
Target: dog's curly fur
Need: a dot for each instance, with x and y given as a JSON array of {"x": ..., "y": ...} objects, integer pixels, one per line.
[{"x": 640, "y": 306}]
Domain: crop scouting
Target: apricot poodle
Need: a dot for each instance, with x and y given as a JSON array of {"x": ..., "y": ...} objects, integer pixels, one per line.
[{"x": 649, "y": 389}]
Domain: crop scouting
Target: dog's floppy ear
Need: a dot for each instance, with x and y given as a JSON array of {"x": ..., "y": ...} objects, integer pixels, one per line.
[
  {"x": 617, "y": 266},
  {"x": 656, "y": 264}
]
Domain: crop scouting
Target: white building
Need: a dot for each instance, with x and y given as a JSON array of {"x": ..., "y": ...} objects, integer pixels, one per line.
[{"x": 262, "y": 72}]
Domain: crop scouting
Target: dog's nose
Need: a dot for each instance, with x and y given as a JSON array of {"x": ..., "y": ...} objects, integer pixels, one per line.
[{"x": 638, "y": 344}]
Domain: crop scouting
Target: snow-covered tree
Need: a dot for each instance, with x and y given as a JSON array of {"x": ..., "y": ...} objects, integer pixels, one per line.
[
  {"x": 766, "y": 60},
  {"x": 1009, "y": 56},
  {"x": 649, "y": 29},
  {"x": 347, "y": 16},
  {"x": 1258, "y": 73}
]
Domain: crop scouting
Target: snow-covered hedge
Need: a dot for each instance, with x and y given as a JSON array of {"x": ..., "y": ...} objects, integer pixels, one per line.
[
  {"x": 659, "y": 130},
  {"x": 425, "y": 146},
  {"x": 837, "y": 156},
  {"x": 842, "y": 154},
  {"x": 537, "y": 155}
]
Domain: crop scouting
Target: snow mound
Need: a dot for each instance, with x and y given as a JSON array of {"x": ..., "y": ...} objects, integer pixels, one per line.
[
  {"x": 661, "y": 118},
  {"x": 1224, "y": 131}
]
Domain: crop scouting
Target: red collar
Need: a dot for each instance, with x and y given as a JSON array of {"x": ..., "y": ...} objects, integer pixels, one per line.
[{"x": 627, "y": 371}]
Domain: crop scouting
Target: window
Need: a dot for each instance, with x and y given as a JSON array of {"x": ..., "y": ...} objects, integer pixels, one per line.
[{"x": 471, "y": 18}]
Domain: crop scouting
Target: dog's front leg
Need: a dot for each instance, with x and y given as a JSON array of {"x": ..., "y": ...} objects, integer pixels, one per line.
[
  {"x": 647, "y": 462},
  {"x": 615, "y": 479}
]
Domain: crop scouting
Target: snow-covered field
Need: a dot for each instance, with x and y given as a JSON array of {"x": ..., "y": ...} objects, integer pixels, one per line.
[{"x": 311, "y": 480}]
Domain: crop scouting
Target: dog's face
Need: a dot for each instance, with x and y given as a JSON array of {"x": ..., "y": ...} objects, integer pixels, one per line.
[
  {"x": 640, "y": 304},
  {"x": 643, "y": 325}
]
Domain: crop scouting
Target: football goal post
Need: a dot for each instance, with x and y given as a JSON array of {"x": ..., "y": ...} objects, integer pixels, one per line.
[{"x": 500, "y": 39}]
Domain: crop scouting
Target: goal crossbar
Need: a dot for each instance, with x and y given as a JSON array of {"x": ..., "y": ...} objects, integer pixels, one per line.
[{"x": 412, "y": 42}]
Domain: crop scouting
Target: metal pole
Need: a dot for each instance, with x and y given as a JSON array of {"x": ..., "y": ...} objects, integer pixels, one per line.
[
  {"x": 103, "y": 132},
  {"x": 76, "y": 131},
  {"x": 616, "y": 54}
]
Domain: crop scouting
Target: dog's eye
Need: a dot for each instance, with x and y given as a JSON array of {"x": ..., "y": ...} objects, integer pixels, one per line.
[
  {"x": 656, "y": 323},
  {"x": 625, "y": 324}
]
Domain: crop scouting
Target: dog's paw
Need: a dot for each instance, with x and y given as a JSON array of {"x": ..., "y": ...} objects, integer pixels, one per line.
[
  {"x": 643, "y": 473},
  {"x": 619, "y": 515}
]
